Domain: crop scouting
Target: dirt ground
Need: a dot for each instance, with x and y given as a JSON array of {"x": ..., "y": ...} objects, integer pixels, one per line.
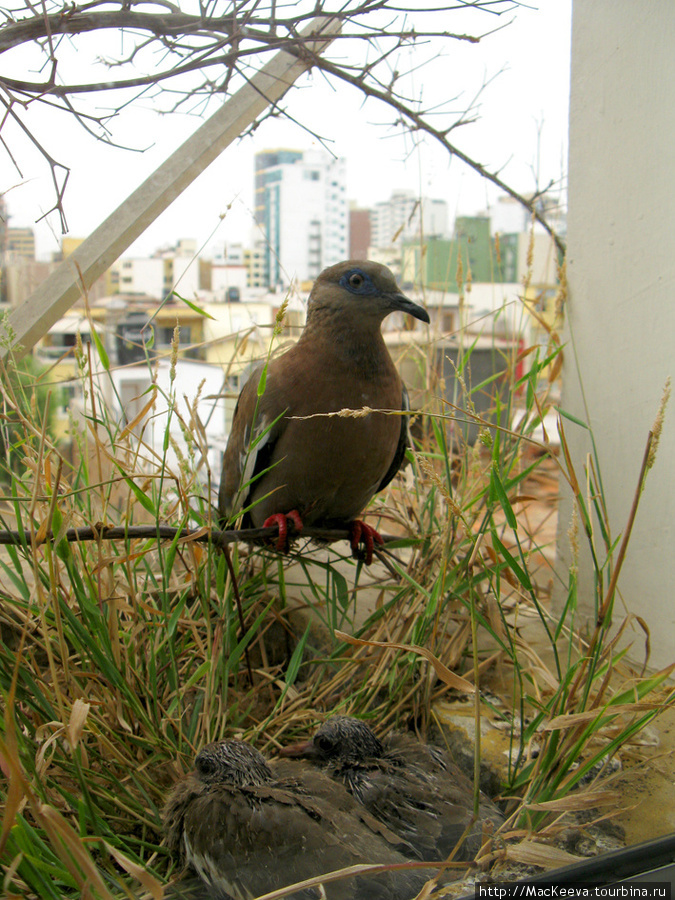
[{"x": 648, "y": 791}]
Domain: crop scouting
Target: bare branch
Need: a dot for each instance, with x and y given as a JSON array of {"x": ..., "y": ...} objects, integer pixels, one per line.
[
  {"x": 169, "y": 533},
  {"x": 205, "y": 54},
  {"x": 53, "y": 165},
  {"x": 411, "y": 118}
]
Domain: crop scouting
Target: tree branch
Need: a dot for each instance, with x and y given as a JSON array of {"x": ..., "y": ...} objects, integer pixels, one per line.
[
  {"x": 169, "y": 533},
  {"x": 247, "y": 29},
  {"x": 422, "y": 124}
]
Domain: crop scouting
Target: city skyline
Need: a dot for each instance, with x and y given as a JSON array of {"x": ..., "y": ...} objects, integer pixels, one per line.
[{"x": 393, "y": 221}]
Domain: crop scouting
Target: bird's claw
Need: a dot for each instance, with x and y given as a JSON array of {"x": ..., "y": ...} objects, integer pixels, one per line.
[
  {"x": 359, "y": 533},
  {"x": 281, "y": 521}
]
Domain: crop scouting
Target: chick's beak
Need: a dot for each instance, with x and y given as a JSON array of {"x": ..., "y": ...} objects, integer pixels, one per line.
[{"x": 303, "y": 750}]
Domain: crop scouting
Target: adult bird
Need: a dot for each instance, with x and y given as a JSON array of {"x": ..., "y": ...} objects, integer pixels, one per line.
[
  {"x": 411, "y": 787},
  {"x": 280, "y": 465},
  {"x": 246, "y": 832}
]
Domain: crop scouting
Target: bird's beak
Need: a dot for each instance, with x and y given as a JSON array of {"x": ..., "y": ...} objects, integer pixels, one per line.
[
  {"x": 404, "y": 304},
  {"x": 303, "y": 750}
]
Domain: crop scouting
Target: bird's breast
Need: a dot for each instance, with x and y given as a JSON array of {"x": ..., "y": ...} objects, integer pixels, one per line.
[{"x": 331, "y": 455}]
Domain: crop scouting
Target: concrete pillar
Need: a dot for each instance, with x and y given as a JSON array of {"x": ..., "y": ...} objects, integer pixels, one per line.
[{"x": 621, "y": 311}]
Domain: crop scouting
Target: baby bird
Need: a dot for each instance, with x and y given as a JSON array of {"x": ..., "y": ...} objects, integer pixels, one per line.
[
  {"x": 323, "y": 471},
  {"x": 246, "y": 832},
  {"x": 413, "y": 788}
]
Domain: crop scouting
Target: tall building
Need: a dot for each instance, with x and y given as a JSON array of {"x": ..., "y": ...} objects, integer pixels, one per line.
[
  {"x": 301, "y": 206},
  {"x": 408, "y": 217},
  {"x": 509, "y": 216},
  {"x": 359, "y": 233},
  {"x": 17, "y": 250},
  {"x": 20, "y": 243}
]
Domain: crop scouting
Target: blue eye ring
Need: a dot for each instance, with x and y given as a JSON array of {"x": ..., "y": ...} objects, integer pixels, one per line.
[{"x": 358, "y": 282}]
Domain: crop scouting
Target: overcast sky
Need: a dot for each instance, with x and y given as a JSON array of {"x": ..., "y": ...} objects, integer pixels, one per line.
[{"x": 522, "y": 132}]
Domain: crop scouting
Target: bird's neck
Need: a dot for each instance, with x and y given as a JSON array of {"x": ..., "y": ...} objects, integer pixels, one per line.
[{"x": 354, "y": 341}]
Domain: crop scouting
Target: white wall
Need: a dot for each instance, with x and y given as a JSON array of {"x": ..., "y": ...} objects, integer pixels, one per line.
[
  {"x": 621, "y": 263},
  {"x": 142, "y": 276},
  {"x": 185, "y": 275},
  {"x": 132, "y": 383},
  {"x": 227, "y": 276},
  {"x": 544, "y": 259}
]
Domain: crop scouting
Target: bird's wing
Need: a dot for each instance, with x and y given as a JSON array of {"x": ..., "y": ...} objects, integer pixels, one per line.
[
  {"x": 448, "y": 790},
  {"x": 246, "y": 842},
  {"x": 403, "y": 443},
  {"x": 256, "y": 426},
  {"x": 329, "y": 790},
  {"x": 403, "y": 805}
]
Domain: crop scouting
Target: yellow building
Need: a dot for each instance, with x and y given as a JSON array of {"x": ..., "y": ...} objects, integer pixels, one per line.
[{"x": 21, "y": 243}]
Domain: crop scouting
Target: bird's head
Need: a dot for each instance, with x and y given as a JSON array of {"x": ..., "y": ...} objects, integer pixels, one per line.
[
  {"x": 366, "y": 289},
  {"x": 232, "y": 762},
  {"x": 340, "y": 739}
]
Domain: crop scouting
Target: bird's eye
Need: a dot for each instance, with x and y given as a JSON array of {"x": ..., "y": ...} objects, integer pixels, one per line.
[
  {"x": 204, "y": 765},
  {"x": 323, "y": 743},
  {"x": 356, "y": 280}
]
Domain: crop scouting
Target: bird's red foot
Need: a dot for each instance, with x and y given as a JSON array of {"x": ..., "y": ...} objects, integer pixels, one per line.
[
  {"x": 281, "y": 521},
  {"x": 359, "y": 533}
]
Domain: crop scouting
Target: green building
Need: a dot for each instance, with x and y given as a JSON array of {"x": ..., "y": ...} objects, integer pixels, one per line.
[{"x": 436, "y": 263}]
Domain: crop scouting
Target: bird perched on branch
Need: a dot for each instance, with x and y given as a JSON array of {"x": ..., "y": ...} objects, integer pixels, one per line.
[
  {"x": 413, "y": 788},
  {"x": 246, "y": 831},
  {"x": 283, "y": 465}
]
